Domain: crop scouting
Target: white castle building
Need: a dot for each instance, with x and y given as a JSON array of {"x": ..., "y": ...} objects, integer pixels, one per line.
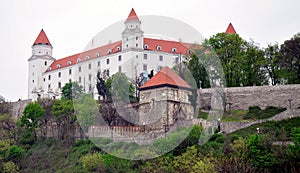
[{"x": 133, "y": 54}]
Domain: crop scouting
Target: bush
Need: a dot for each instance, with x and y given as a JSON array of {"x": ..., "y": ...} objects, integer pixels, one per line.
[
  {"x": 93, "y": 162},
  {"x": 255, "y": 112},
  {"x": 15, "y": 152},
  {"x": 10, "y": 167}
]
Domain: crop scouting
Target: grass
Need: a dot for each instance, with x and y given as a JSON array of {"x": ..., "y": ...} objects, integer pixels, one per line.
[{"x": 234, "y": 115}]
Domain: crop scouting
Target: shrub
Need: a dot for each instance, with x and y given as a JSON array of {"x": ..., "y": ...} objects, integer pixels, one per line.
[{"x": 93, "y": 162}]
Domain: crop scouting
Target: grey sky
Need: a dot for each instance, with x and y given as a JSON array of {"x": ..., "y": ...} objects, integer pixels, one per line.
[{"x": 70, "y": 25}]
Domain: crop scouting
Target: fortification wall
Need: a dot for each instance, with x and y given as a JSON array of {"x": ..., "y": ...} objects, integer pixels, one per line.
[{"x": 241, "y": 98}]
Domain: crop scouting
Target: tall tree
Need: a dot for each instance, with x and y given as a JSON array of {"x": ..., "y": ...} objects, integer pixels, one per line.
[
  {"x": 71, "y": 90},
  {"x": 271, "y": 63},
  {"x": 290, "y": 60}
]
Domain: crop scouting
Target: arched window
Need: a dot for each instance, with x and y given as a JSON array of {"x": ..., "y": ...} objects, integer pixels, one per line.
[
  {"x": 174, "y": 49},
  {"x": 79, "y": 60},
  {"x": 109, "y": 51},
  {"x": 69, "y": 62},
  {"x": 58, "y": 66},
  {"x": 87, "y": 57},
  {"x": 97, "y": 54},
  {"x": 118, "y": 48},
  {"x": 158, "y": 48},
  {"x": 146, "y": 46}
]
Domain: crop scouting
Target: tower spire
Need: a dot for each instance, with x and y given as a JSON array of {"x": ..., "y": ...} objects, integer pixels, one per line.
[
  {"x": 42, "y": 39},
  {"x": 230, "y": 29},
  {"x": 132, "y": 15}
]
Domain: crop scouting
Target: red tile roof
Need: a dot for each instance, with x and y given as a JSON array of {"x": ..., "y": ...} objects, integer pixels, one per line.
[
  {"x": 230, "y": 29},
  {"x": 167, "y": 46},
  {"x": 42, "y": 39},
  {"x": 132, "y": 15},
  {"x": 165, "y": 77},
  {"x": 103, "y": 50}
]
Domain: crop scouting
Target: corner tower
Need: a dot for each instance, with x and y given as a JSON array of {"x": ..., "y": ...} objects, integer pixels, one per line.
[
  {"x": 39, "y": 62},
  {"x": 132, "y": 36}
]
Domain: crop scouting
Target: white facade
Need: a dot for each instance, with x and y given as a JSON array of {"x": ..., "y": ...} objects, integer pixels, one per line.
[{"x": 132, "y": 56}]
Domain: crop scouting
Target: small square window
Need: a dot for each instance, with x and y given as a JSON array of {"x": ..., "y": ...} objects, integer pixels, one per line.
[
  {"x": 145, "y": 56},
  {"x": 145, "y": 67},
  {"x": 161, "y": 58},
  {"x": 90, "y": 66}
]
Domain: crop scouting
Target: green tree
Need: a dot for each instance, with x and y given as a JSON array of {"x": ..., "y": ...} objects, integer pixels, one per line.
[
  {"x": 65, "y": 118},
  {"x": 271, "y": 63},
  {"x": 86, "y": 111},
  {"x": 241, "y": 60},
  {"x": 71, "y": 90},
  {"x": 93, "y": 162},
  {"x": 290, "y": 60},
  {"x": 10, "y": 167},
  {"x": 118, "y": 86}
]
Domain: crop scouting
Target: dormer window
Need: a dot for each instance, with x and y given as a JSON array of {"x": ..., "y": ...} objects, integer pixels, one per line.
[
  {"x": 87, "y": 57},
  {"x": 58, "y": 66},
  {"x": 49, "y": 69},
  {"x": 118, "y": 48},
  {"x": 79, "y": 60},
  {"x": 189, "y": 52},
  {"x": 69, "y": 62},
  {"x": 109, "y": 51},
  {"x": 158, "y": 48},
  {"x": 174, "y": 50},
  {"x": 97, "y": 54},
  {"x": 146, "y": 46}
]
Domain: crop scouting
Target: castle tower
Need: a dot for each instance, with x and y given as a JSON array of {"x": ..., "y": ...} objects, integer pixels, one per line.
[
  {"x": 230, "y": 29},
  {"x": 164, "y": 100},
  {"x": 132, "y": 36},
  {"x": 39, "y": 62}
]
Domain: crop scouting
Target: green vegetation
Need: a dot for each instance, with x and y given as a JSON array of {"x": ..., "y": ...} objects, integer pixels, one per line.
[
  {"x": 255, "y": 112},
  {"x": 234, "y": 115}
]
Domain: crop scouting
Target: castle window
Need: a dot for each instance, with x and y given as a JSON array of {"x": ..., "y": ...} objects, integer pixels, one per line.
[
  {"x": 97, "y": 54},
  {"x": 45, "y": 63},
  {"x": 49, "y": 86},
  {"x": 145, "y": 56},
  {"x": 79, "y": 60},
  {"x": 120, "y": 57},
  {"x": 47, "y": 53},
  {"x": 79, "y": 68},
  {"x": 107, "y": 72},
  {"x": 87, "y": 57},
  {"x": 44, "y": 79},
  {"x": 136, "y": 45},
  {"x": 59, "y": 84},
  {"x": 126, "y": 45},
  {"x": 146, "y": 46},
  {"x": 176, "y": 60},
  {"x": 90, "y": 77},
  {"x": 158, "y": 48},
  {"x": 32, "y": 81},
  {"x": 159, "y": 68},
  {"x": 40, "y": 52},
  {"x": 79, "y": 80},
  {"x": 49, "y": 77},
  {"x": 145, "y": 67},
  {"x": 136, "y": 38},
  {"x": 107, "y": 61},
  {"x": 90, "y": 66},
  {"x": 161, "y": 58},
  {"x": 118, "y": 48},
  {"x": 70, "y": 80},
  {"x": 174, "y": 50},
  {"x": 98, "y": 63},
  {"x": 58, "y": 66},
  {"x": 120, "y": 68},
  {"x": 70, "y": 71},
  {"x": 69, "y": 62},
  {"x": 59, "y": 74},
  {"x": 109, "y": 51}
]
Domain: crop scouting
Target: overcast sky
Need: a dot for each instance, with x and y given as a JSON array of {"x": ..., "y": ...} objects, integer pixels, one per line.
[{"x": 70, "y": 25}]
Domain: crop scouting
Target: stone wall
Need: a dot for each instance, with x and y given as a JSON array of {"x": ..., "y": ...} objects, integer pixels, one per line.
[
  {"x": 241, "y": 98},
  {"x": 18, "y": 107}
]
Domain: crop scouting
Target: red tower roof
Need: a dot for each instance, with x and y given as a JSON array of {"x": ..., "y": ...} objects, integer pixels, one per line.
[
  {"x": 132, "y": 15},
  {"x": 42, "y": 39},
  {"x": 230, "y": 29},
  {"x": 165, "y": 77}
]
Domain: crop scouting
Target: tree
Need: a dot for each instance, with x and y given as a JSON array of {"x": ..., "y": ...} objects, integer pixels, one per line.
[
  {"x": 241, "y": 60},
  {"x": 71, "y": 90},
  {"x": 271, "y": 63},
  {"x": 102, "y": 91},
  {"x": 290, "y": 60},
  {"x": 31, "y": 114},
  {"x": 118, "y": 86},
  {"x": 65, "y": 118}
]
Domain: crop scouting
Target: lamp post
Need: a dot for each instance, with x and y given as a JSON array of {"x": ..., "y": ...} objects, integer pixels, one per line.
[{"x": 290, "y": 103}]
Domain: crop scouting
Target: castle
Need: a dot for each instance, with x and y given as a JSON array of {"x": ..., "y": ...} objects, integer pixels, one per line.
[{"x": 133, "y": 55}]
